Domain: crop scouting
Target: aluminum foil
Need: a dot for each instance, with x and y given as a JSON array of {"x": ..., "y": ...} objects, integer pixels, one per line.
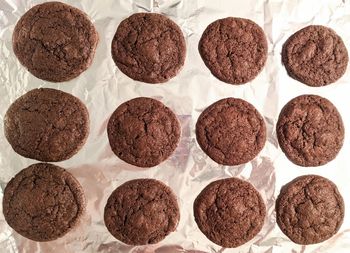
[{"x": 103, "y": 87}]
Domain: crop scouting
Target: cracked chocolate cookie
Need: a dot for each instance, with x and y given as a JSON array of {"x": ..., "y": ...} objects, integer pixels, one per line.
[
  {"x": 234, "y": 49},
  {"x": 309, "y": 209},
  {"x": 143, "y": 132},
  {"x": 141, "y": 211},
  {"x": 54, "y": 41},
  {"x": 43, "y": 202},
  {"x": 310, "y": 130},
  {"x": 149, "y": 47},
  {"x": 229, "y": 212},
  {"x": 315, "y": 55},
  {"x": 231, "y": 131},
  {"x": 47, "y": 125}
]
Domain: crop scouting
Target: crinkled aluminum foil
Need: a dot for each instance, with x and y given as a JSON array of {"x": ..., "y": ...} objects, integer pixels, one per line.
[{"x": 103, "y": 87}]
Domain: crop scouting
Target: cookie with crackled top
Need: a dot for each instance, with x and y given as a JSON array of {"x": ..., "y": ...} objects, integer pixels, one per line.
[
  {"x": 143, "y": 132},
  {"x": 141, "y": 211},
  {"x": 310, "y": 130},
  {"x": 229, "y": 212},
  {"x": 43, "y": 202},
  {"x": 234, "y": 49},
  {"x": 231, "y": 131},
  {"x": 55, "y": 41},
  {"x": 309, "y": 209},
  {"x": 315, "y": 55},
  {"x": 47, "y": 125},
  {"x": 149, "y": 47}
]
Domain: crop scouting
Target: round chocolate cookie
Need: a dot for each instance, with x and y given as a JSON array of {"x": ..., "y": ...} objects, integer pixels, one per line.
[
  {"x": 309, "y": 209},
  {"x": 229, "y": 212},
  {"x": 234, "y": 49},
  {"x": 149, "y": 47},
  {"x": 54, "y": 41},
  {"x": 47, "y": 125},
  {"x": 141, "y": 211},
  {"x": 231, "y": 131},
  {"x": 310, "y": 130},
  {"x": 43, "y": 202},
  {"x": 315, "y": 55},
  {"x": 143, "y": 132}
]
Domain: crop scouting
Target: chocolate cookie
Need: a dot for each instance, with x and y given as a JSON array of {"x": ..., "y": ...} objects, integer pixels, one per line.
[
  {"x": 143, "y": 132},
  {"x": 149, "y": 47},
  {"x": 315, "y": 55},
  {"x": 231, "y": 131},
  {"x": 234, "y": 49},
  {"x": 229, "y": 212},
  {"x": 310, "y": 130},
  {"x": 141, "y": 211},
  {"x": 47, "y": 125},
  {"x": 54, "y": 41},
  {"x": 43, "y": 202},
  {"x": 309, "y": 209}
]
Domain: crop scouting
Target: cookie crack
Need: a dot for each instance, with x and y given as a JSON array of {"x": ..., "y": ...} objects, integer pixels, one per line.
[
  {"x": 33, "y": 178},
  {"x": 217, "y": 125},
  {"x": 304, "y": 194}
]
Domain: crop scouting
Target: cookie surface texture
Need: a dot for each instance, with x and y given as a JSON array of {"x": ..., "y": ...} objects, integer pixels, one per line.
[
  {"x": 310, "y": 130},
  {"x": 141, "y": 211},
  {"x": 234, "y": 49},
  {"x": 143, "y": 132},
  {"x": 231, "y": 131},
  {"x": 54, "y": 41},
  {"x": 149, "y": 47},
  {"x": 229, "y": 212},
  {"x": 47, "y": 125},
  {"x": 309, "y": 209},
  {"x": 43, "y": 202},
  {"x": 315, "y": 55}
]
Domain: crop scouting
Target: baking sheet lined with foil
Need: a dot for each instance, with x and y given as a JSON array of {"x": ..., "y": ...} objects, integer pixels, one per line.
[{"x": 103, "y": 87}]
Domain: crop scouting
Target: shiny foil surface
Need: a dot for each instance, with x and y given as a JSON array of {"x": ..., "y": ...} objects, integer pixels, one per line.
[{"x": 103, "y": 87}]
